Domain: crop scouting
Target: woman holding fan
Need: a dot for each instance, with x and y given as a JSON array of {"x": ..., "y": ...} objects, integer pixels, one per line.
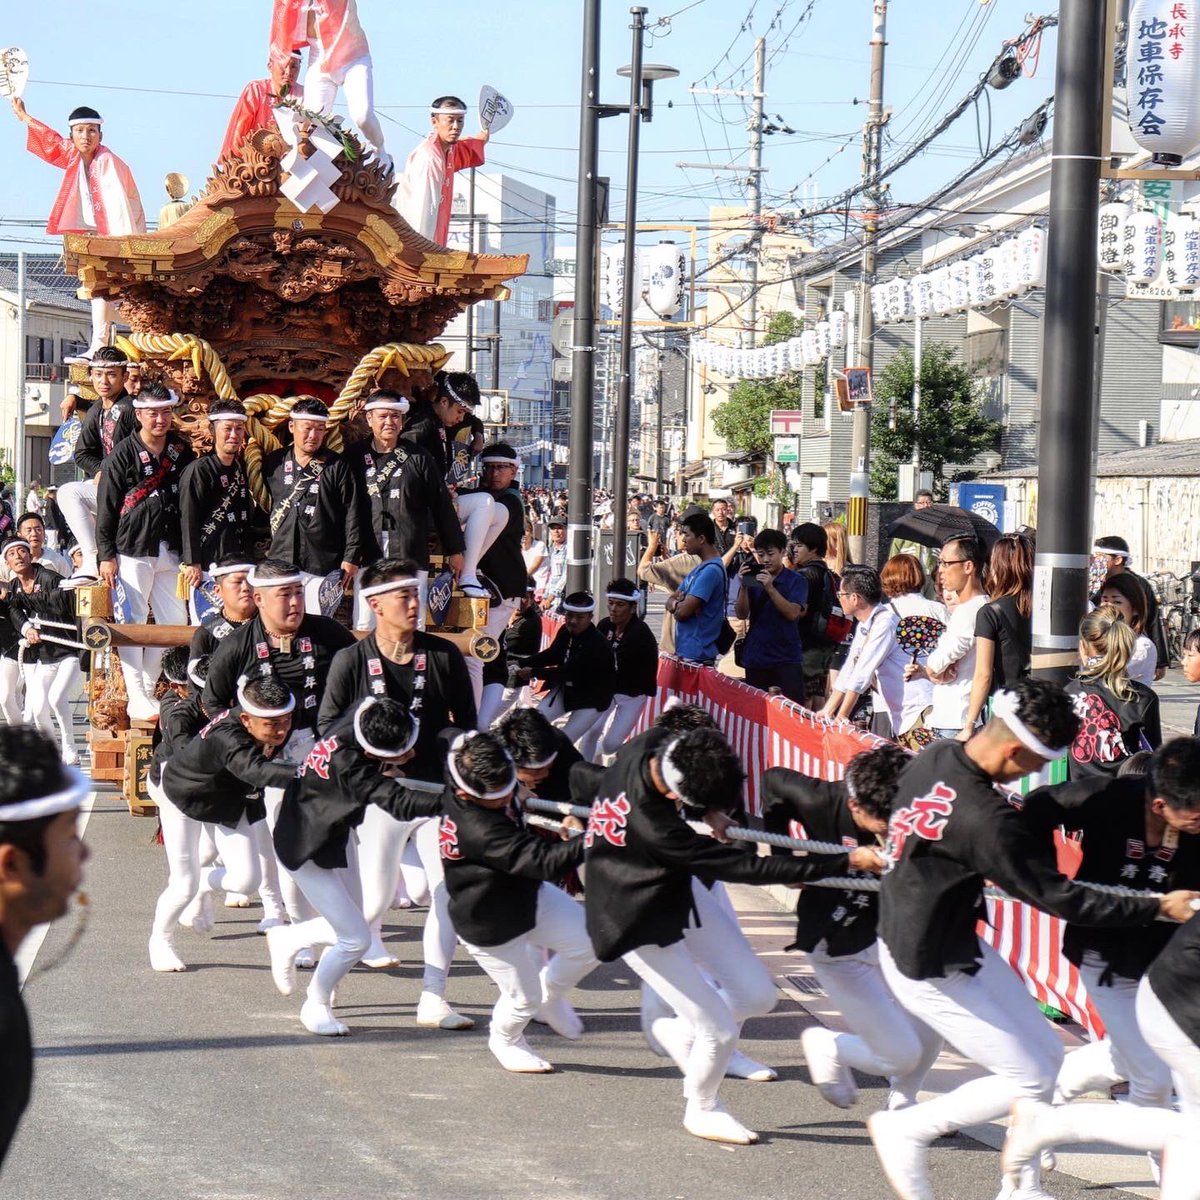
[{"x": 921, "y": 622}]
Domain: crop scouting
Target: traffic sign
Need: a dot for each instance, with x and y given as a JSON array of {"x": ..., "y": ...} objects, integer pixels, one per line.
[{"x": 786, "y": 422}]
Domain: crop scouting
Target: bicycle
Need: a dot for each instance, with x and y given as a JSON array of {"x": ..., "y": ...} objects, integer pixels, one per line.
[{"x": 1178, "y": 609}]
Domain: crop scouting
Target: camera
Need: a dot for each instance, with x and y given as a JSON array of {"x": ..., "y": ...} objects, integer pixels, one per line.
[{"x": 747, "y": 526}]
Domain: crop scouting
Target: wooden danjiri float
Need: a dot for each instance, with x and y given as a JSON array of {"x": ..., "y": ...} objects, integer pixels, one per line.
[{"x": 276, "y": 283}]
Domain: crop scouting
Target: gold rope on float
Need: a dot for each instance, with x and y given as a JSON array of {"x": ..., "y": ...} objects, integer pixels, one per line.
[{"x": 266, "y": 412}]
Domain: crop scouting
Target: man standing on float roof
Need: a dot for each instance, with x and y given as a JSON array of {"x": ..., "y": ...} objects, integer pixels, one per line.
[
  {"x": 425, "y": 192},
  {"x": 98, "y": 194},
  {"x": 258, "y": 105}
]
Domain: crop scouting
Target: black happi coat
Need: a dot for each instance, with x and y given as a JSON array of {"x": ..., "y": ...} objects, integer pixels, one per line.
[
  {"x": 180, "y": 718},
  {"x": 642, "y": 854},
  {"x": 404, "y": 495},
  {"x": 101, "y": 431},
  {"x": 49, "y": 602},
  {"x": 214, "y": 628},
  {"x": 218, "y": 776},
  {"x": 635, "y": 655},
  {"x": 315, "y": 511},
  {"x": 16, "y": 1051},
  {"x": 504, "y": 564},
  {"x": 1112, "y": 729},
  {"x": 248, "y": 651},
  {"x": 845, "y": 921},
  {"x": 329, "y": 797},
  {"x": 1111, "y": 815},
  {"x": 215, "y": 511},
  {"x": 494, "y": 868},
  {"x": 1175, "y": 977},
  {"x": 557, "y": 785},
  {"x": 581, "y": 668},
  {"x": 444, "y": 697},
  {"x": 133, "y": 517},
  {"x": 950, "y": 831}
]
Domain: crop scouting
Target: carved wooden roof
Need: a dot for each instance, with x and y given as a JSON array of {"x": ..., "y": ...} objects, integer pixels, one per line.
[{"x": 269, "y": 285}]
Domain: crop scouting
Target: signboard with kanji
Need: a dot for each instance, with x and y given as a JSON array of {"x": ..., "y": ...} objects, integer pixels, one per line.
[{"x": 787, "y": 450}]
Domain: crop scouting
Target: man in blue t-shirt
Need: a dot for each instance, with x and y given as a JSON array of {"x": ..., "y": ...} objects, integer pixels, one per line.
[
  {"x": 699, "y": 605},
  {"x": 774, "y": 599}
]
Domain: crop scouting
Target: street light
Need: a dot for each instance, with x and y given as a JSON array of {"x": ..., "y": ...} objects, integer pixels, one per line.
[{"x": 583, "y": 329}]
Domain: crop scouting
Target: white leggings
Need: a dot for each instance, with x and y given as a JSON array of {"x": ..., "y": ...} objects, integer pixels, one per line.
[
  {"x": 1123, "y": 1054},
  {"x": 383, "y": 842},
  {"x": 515, "y": 967},
  {"x": 887, "y": 1039},
  {"x": 577, "y": 723},
  {"x": 48, "y": 690},
  {"x": 337, "y": 896},
  {"x": 990, "y": 1019},
  {"x": 1173, "y": 1046},
  {"x": 11, "y": 686},
  {"x": 358, "y": 86},
  {"x": 483, "y": 520},
  {"x": 181, "y": 840},
  {"x": 77, "y": 501},
  {"x": 498, "y": 618},
  {"x": 612, "y": 728},
  {"x": 150, "y": 582},
  {"x": 281, "y": 880}
]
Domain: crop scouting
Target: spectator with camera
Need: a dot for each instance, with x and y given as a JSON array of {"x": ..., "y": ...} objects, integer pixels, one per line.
[{"x": 774, "y": 599}]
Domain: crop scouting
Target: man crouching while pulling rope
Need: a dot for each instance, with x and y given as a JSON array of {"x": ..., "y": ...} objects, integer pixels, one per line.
[
  {"x": 641, "y": 855},
  {"x": 950, "y": 831}
]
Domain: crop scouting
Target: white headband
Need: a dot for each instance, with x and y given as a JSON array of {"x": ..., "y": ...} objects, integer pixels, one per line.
[
  {"x": 85, "y": 121},
  {"x": 1111, "y": 550},
  {"x": 228, "y": 416},
  {"x": 1004, "y": 706},
  {"x": 580, "y": 608},
  {"x": 255, "y": 580},
  {"x": 72, "y": 796},
  {"x": 307, "y": 416},
  {"x": 248, "y": 706},
  {"x": 672, "y": 775},
  {"x": 407, "y": 583},
  {"x": 444, "y": 111},
  {"x": 233, "y": 568},
  {"x": 193, "y": 674},
  {"x": 144, "y": 401},
  {"x": 401, "y": 405},
  {"x": 628, "y": 597},
  {"x": 377, "y": 751},
  {"x": 448, "y": 388},
  {"x": 12, "y": 543},
  {"x": 500, "y": 458},
  {"x": 537, "y": 766},
  {"x": 458, "y": 743}
]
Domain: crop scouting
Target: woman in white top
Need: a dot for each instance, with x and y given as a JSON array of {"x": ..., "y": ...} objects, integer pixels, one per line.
[
  {"x": 903, "y": 578},
  {"x": 537, "y": 558},
  {"x": 1125, "y": 594},
  {"x": 951, "y": 665}
]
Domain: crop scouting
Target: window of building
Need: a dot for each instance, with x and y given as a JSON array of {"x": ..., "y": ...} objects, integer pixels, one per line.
[
  {"x": 39, "y": 358},
  {"x": 1180, "y": 323}
]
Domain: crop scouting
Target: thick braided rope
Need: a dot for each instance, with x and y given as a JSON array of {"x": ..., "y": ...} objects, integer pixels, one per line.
[
  {"x": 401, "y": 355},
  {"x": 176, "y": 346}
]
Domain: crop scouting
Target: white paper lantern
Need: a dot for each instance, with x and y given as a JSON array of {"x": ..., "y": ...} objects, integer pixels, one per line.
[
  {"x": 666, "y": 268},
  {"x": 959, "y": 286},
  {"x": 1187, "y": 249},
  {"x": 922, "y": 295},
  {"x": 1031, "y": 257},
  {"x": 613, "y": 276},
  {"x": 943, "y": 302},
  {"x": 1007, "y": 277},
  {"x": 1141, "y": 247},
  {"x": 899, "y": 299},
  {"x": 1112, "y": 226},
  {"x": 989, "y": 276},
  {"x": 976, "y": 278},
  {"x": 838, "y": 325},
  {"x": 808, "y": 343},
  {"x": 822, "y": 332},
  {"x": 879, "y": 303},
  {"x": 795, "y": 354},
  {"x": 1163, "y": 88}
]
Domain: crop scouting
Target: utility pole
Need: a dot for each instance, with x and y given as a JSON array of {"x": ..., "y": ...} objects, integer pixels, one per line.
[
  {"x": 19, "y": 463},
  {"x": 470, "y": 314},
  {"x": 1066, "y": 471},
  {"x": 860, "y": 442},
  {"x": 755, "y": 184}
]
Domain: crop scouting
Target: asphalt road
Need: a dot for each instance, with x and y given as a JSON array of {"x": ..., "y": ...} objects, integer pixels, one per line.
[{"x": 205, "y": 1085}]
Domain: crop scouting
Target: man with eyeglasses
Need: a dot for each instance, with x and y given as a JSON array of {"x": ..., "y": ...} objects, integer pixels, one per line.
[
  {"x": 105, "y": 426},
  {"x": 404, "y": 494}
]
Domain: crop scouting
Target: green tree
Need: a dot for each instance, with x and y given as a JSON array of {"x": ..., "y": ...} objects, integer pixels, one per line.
[
  {"x": 950, "y": 427},
  {"x": 744, "y": 420}
]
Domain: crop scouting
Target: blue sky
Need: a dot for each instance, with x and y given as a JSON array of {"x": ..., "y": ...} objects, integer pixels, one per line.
[{"x": 165, "y": 78}]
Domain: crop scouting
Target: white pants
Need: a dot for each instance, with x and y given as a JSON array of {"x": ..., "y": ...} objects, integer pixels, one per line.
[
  {"x": 516, "y": 967},
  {"x": 382, "y": 844},
  {"x": 12, "y": 685},
  {"x": 181, "y": 840},
  {"x": 577, "y": 723},
  {"x": 295, "y": 750},
  {"x": 48, "y": 691},
  {"x": 483, "y": 520},
  {"x": 612, "y": 728},
  {"x": 337, "y": 896},
  {"x": 1173, "y": 1046},
  {"x": 887, "y": 1039},
  {"x": 358, "y": 85},
  {"x": 364, "y": 616},
  {"x": 149, "y": 583},
  {"x": 78, "y": 504},
  {"x": 1123, "y": 1054},
  {"x": 498, "y": 618},
  {"x": 990, "y": 1019}
]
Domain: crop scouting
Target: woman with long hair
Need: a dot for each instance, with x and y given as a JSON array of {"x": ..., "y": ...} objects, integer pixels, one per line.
[
  {"x": 837, "y": 551},
  {"x": 1119, "y": 717},
  {"x": 1128, "y": 597},
  {"x": 904, "y": 580},
  {"x": 1003, "y": 626}
]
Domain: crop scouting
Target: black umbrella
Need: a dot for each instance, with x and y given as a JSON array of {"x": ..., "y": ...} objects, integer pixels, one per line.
[{"x": 938, "y": 524}]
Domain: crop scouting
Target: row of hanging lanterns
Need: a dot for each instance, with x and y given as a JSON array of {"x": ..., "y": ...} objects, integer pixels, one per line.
[
  {"x": 809, "y": 348},
  {"x": 1147, "y": 248},
  {"x": 989, "y": 277}
]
